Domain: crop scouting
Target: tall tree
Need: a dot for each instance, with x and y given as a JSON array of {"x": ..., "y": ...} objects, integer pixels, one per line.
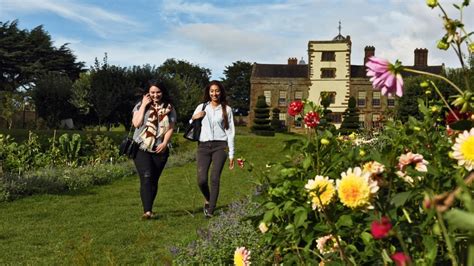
[
  {"x": 110, "y": 87},
  {"x": 51, "y": 95},
  {"x": 237, "y": 82},
  {"x": 194, "y": 73},
  {"x": 25, "y": 56}
]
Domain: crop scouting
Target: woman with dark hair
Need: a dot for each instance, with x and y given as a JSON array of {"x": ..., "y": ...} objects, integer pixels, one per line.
[
  {"x": 153, "y": 118},
  {"x": 217, "y": 134}
]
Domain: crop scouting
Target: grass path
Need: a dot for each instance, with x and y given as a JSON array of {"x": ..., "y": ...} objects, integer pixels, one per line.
[{"x": 102, "y": 225}]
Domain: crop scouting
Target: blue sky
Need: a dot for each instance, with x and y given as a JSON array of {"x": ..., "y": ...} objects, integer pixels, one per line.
[{"x": 213, "y": 34}]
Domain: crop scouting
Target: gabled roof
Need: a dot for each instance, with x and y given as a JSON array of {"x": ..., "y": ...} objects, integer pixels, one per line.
[
  {"x": 358, "y": 71},
  {"x": 279, "y": 71}
]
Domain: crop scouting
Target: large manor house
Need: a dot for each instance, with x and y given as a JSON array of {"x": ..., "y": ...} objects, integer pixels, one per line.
[{"x": 329, "y": 70}]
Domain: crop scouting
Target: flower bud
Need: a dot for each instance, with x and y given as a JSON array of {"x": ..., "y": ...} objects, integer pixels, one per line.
[
  {"x": 263, "y": 227},
  {"x": 416, "y": 128},
  {"x": 424, "y": 84},
  {"x": 442, "y": 45},
  {"x": 451, "y": 155},
  {"x": 362, "y": 153},
  {"x": 427, "y": 92},
  {"x": 432, "y": 3},
  {"x": 434, "y": 109},
  {"x": 352, "y": 136},
  {"x": 471, "y": 47},
  {"x": 324, "y": 141}
]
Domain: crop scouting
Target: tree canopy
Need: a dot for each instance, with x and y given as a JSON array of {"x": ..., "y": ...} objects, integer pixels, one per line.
[
  {"x": 26, "y": 55},
  {"x": 237, "y": 82}
]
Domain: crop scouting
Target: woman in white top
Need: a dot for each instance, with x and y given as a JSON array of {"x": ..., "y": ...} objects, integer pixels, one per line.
[{"x": 217, "y": 134}]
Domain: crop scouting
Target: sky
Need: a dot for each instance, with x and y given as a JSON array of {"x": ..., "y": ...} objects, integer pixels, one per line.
[{"x": 215, "y": 33}]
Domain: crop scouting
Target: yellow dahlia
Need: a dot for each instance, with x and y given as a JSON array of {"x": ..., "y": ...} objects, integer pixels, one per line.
[
  {"x": 322, "y": 187},
  {"x": 464, "y": 149},
  {"x": 241, "y": 257},
  {"x": 356, "y": 189}
]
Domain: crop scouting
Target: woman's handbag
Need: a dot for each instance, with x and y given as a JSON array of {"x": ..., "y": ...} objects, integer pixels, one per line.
[
  {"x": 193, "y": 130},
  {"x": 129, "y": 147}
]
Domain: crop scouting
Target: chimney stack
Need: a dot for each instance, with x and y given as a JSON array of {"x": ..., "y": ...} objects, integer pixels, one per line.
[
  {"x": 421, "y": 57},
  {"x": 292, "y": 61},
  {"x": 369, "y": 51}
]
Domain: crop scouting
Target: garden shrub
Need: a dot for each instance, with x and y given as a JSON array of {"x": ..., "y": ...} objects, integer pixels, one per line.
[
  {"x": 60, "y": 179},
  {"x": 227, "y": 231}
]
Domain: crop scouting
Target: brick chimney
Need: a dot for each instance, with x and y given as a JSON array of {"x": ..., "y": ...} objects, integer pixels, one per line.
[
  {"x": 369, "y": 51},
  {"x": 421, "y": 57},
  {"x": 292, "y": 61}
]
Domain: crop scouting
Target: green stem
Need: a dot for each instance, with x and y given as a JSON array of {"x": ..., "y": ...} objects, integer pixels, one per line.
[
  {"x": 449, "y": 246},
  {"x": 402, "y": 243},
  {"x": 444, "y": 100},
  {"x": 435, "y": 76}
]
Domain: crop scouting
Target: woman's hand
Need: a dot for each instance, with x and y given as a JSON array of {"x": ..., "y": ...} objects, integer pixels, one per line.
[
  {"x": 199, "y": 115},
  {"x": 146, "y": 99},
  {"x": 231, "y": 164},
  {"x": 161, "y": 148}
]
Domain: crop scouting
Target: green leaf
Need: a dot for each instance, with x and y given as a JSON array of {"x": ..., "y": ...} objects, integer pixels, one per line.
[
  {"x": 268, "y": 216},
  {"x": 400, "y": 198},
  {"x": 456, "y": 6},
  {"x": 366, "y": 238},
  {"x": 301, "y": 215},
  {"x": 431, "y": 248},
  {"x": 344, "y": 220},
  {"x": 462, "y": 125},
  {"x": 307, "y": 162},
  {"x": 460, "y": 219}
]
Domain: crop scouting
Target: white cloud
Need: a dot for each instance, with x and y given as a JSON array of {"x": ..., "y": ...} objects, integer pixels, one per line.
[{"x": 101, "y": 21}]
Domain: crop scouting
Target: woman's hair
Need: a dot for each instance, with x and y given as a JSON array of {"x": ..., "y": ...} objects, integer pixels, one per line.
[
  {"x": 222, "y": 99},
  {"x": 165, "y": 96}
]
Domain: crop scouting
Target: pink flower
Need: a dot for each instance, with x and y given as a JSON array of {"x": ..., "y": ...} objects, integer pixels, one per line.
[
  {"x": 311, "y": 119},
  {"x": 295, "y": 108},
  {"x": 385, "y": 76},
  {"x": 380, "y": 229},
  {"x": 400, "y": 259},
  {"x": 412, "y": 158}
]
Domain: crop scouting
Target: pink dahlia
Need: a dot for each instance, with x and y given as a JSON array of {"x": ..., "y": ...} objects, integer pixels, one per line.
[
  {"x": 400, "y": 259},
  {"x": 385, "y": 76},
  {"x": 311, "y": 119},
  {"x": 380, "y": 229},
  {"x": 295, "y": 108}
]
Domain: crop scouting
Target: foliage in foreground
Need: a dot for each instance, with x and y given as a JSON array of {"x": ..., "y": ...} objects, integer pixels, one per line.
[{"x": 228, "y": 230}]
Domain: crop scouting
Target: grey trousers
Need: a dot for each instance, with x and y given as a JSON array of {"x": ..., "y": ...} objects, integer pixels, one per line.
[{"x": 210, "y": 152}]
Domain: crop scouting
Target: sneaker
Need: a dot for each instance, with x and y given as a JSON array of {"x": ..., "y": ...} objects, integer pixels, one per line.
[{"x": 206, "y": 210}]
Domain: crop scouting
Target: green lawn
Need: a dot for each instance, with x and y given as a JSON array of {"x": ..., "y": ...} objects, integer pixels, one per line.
[{"x": 102, "y": 225}]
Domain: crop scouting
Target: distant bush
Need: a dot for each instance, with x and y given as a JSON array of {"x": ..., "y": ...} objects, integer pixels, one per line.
[{"x": 60, "y": 179}]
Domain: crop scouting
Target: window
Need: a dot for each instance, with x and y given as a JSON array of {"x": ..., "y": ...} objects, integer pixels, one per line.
[
  {"x": 328, "y": 72},
  {"x": 282, "y": 98},
  {"x": 298, "y": 122},
  {"x": 330, "y": 94},
  {"x": 362, "y": 120},
  {"x": 335, "y": 117},
  {"x": 376, "y": 120},
  {"x": 391, "y": 101},
  {"x": 298, "y": 95},
  {"x": 282, "y": 117},
  {"x": 328, "y": 56},
  {"x": 268, "y": 97},
  {"x": 361, "y": 98},
  {"x": 376, "y": 99}
]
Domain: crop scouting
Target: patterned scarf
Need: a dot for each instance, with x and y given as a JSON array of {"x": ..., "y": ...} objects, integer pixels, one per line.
[{"x": 156, "y": 125}]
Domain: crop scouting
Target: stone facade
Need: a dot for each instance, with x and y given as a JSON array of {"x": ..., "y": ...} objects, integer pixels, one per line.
[{"x": 329, "y": 69}]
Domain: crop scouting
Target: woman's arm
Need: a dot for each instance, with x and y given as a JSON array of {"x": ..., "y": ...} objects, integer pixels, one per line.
[
  {"x": 166, "y": 139},
  {"x": 139, "y": 115}
]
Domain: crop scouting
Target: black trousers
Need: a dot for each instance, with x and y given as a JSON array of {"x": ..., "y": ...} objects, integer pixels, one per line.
[
  {"x": 149, "y": 166},
  {"x": 207, "y": 153}
]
